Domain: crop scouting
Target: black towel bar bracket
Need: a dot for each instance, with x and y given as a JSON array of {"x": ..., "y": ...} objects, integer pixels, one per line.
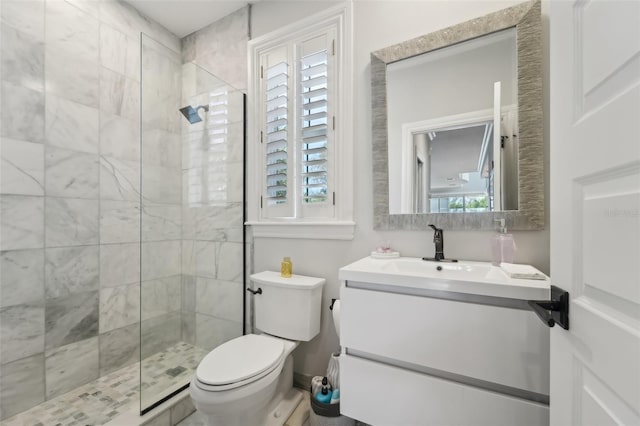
[{"x": 554, "y": 311}]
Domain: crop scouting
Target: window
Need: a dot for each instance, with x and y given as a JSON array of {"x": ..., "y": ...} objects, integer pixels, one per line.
[{"x": 300, "y": 131}]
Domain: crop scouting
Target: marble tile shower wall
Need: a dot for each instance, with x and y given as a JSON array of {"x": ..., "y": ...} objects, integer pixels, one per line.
[
  {"x": 162, "y": 198},
  {"x": 69, "y": 305},
  {"x": 213, "y": 181},
  {"x": 212, "y": 176}
]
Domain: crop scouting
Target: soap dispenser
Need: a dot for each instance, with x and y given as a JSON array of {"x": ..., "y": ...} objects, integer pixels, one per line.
[{"x": 502, "y": 245}]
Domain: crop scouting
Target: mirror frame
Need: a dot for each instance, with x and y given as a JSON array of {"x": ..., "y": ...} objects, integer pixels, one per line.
[{"x": 526, "y": 18}]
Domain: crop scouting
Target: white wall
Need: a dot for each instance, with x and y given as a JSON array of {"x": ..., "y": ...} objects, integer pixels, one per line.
[{"x": 378, "y": 24}]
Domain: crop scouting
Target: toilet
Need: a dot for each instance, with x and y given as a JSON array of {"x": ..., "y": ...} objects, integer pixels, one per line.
[{"x": 248, "y": 381}]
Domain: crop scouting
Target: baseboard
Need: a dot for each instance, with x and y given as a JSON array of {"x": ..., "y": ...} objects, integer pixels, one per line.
[{"x": 302, "y": 381}]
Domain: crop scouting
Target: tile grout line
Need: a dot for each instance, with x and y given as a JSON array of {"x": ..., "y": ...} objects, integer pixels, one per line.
[{"x": 44, "y": 201}]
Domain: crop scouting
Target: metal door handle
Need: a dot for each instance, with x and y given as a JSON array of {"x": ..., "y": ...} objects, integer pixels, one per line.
[{"x": 554, "y": 311}]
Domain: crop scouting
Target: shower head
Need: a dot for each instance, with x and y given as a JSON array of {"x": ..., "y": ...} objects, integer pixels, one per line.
[{"x": 191, "y": 113}]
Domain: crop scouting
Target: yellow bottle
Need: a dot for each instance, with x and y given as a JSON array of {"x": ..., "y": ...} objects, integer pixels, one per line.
[{"x": 286, "y": 267}]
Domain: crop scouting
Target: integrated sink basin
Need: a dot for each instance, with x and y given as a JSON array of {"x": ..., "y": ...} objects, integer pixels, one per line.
[
  {"x": 480, "y": 278},
  {"x": 431, "y": 269}
]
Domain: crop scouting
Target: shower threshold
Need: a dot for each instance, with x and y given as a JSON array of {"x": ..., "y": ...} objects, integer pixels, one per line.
[{"x": 100, "y": 401}]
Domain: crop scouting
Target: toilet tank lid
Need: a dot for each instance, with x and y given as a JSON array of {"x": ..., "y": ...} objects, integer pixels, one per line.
[{"x": 296, "y": 281}]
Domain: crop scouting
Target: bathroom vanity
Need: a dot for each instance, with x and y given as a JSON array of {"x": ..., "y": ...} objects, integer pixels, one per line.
[{"x": 428, "y": 343}]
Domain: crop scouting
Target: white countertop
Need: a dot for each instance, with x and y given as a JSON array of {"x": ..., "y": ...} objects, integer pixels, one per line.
[{"x": 478, "y": 278}]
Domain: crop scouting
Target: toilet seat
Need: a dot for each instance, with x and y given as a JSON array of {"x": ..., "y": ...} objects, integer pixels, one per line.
[{"x": 240, "y": 361}]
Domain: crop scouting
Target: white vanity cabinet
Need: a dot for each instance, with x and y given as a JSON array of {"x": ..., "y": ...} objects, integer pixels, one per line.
[{"x": 417, "y": 353}]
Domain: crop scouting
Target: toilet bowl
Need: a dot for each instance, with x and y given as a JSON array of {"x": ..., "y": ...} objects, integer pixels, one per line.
[
  {"x": 248, "y": 381},
  {"x": 235, "y": 384}
]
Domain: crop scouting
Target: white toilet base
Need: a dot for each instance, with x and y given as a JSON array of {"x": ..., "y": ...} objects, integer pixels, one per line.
[
  {"x": 268, "y": 401},
  {"x": 279, "y": 415}
]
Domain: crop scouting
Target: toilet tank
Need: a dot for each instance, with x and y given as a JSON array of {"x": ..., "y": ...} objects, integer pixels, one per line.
[{"x": 288, "y": 307}]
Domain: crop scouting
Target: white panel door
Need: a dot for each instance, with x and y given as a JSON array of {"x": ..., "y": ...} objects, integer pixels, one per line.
[{"x": 595, "y": 210}]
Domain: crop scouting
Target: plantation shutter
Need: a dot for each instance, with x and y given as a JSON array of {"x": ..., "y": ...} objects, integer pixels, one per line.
[
  {"x": 277, "y": 199},
  {"x": 297, "y": 116},
  {"x": 315, "y": 117}
]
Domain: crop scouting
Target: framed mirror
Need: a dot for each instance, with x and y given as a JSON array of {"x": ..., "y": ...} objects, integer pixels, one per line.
[{"x": 457, "y": 125}]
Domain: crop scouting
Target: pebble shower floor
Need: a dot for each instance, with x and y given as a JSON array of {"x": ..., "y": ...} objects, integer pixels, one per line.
[{"x": 100, "y": 401}]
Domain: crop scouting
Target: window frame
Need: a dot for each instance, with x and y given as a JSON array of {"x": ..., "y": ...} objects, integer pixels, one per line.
[{"x": 341, "y": 226}]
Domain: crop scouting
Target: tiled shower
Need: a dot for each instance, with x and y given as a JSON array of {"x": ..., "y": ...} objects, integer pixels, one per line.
[{"x": 121, "y": 223}]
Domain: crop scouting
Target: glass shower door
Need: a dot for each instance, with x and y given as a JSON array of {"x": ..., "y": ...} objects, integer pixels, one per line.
[{"x": 192, "y": 183}]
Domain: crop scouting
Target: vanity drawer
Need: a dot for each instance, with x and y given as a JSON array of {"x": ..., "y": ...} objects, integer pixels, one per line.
[
  {"x": 504, "y": 346},
  {"x": 384, "y": 395}
]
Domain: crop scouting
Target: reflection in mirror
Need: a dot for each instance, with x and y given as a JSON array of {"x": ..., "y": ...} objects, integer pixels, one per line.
[
  {"x": 500, "y": 96},
  {"x": 458, "y": 162},
  {"x": 452, "y": 128}
]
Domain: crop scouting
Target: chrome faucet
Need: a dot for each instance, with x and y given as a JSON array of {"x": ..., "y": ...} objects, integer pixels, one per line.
[{"x": 438, "y": 240}]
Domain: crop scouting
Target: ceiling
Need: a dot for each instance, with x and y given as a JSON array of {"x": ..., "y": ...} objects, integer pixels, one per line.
[{"x": 182, "y": 17}]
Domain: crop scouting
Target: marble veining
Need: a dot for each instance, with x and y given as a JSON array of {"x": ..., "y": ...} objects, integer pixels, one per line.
[
  {"x": 119, "y": 179},
  {"x": 119, "y": 95},
  {"x": 204, "y": 259},
  {"x": 161, "y": 148},
  {"x": 235, "y": 183},
  {"x": 159, "y": 333},
  {"x": 119, "y": 137},
  {"x": 22, "y": 113},
  {"x": 125, "y": 18},
  {"x": 21, "y": 222},
  {"x": 71, "y": 270},
  {"x": 161, "y": 222},
  {"x": 80, "y": 83},
  {"x": 72, "y": 174},
  {"x": 91, "y": 6},
  {"x": 212, "y": 332},
  {"x": 119, "y": 264},
  {"x": 22, "y": 385},
  {"x": 119, "y": 221},
  {"x": 220, "y": 299},
  {"x": 160, "y": 259},
  {"x": 22, "y": 277},
  {"x": 188, "y": 298},
  {"x": 24, "y": 16},
  {"x": 215, "y": 44},
  {"x": 119, "y": 348},
  {"x": 71, "y": 222},
  {"x": 21, "y": 59},
  {"x": 71, "y": 30},
  {"x": 119, "y": 306},
  {"x": 21, "y": 331},
  {"x": 163, "y": 69},
  {"x": 71, "y": 366},
  {"x": 162, "y": 185},
  {"x": 229, "y": 261},
  {"x": 22, "y": 170},
  {"x": 215, "y": 223},
  {"x": 71, "y": 125},
  {"x": 71, "y": 318},
  {"x": 161, "y": 296},
  {"x": 119, "y": 53}
]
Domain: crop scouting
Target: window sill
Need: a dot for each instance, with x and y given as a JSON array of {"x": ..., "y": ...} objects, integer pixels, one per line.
[{"x": 336, "y": 230}]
